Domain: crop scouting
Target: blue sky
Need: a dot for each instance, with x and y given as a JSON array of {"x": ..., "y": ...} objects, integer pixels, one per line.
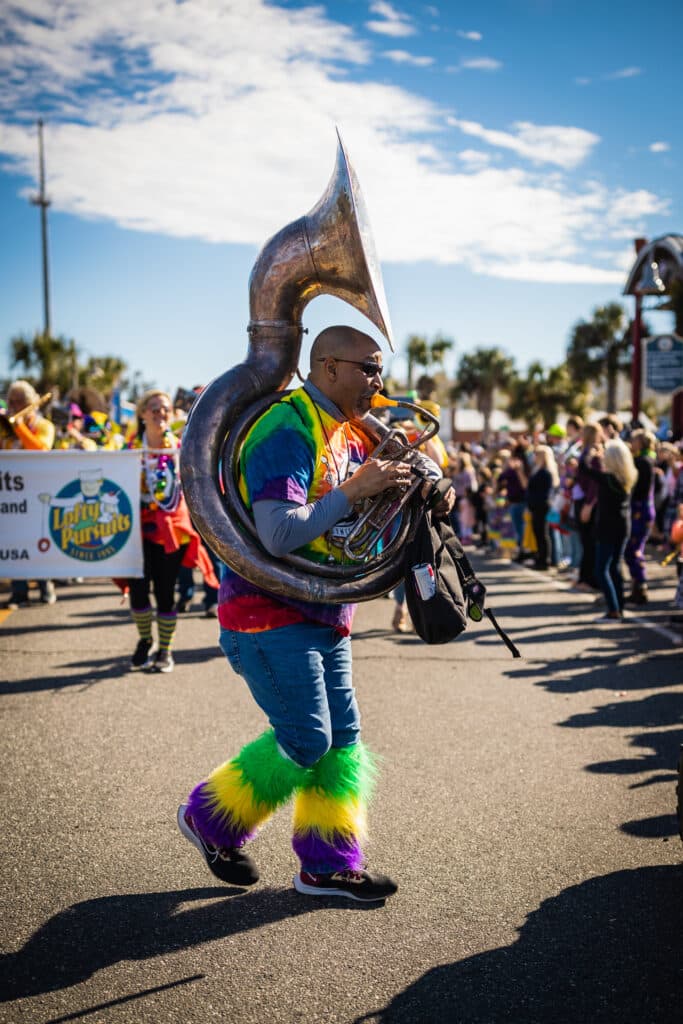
[{"x": 508, "y": 154}]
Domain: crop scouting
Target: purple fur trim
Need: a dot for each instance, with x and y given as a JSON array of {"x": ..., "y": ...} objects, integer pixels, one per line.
[
  {"x": 217, "y": 829},
  {"x": 320, "y": 857}
]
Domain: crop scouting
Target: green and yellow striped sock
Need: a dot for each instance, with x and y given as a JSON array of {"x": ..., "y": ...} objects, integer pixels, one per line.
[
  {"x": 142, "y": 617},
  {"x": 166, "y": 623}
]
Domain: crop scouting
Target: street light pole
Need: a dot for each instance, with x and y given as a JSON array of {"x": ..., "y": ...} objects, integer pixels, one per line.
[
  {"x": 637, "y": 363},
  {"x": 43, "y": 202}
]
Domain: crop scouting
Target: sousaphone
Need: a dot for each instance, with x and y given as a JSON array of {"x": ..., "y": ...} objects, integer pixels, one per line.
[{"x": 329, "y": 251}]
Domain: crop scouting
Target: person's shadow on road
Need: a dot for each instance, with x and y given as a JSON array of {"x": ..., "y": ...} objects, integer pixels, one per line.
[
  {"x": 605, "y": 951},
  {"x": 95, "y": 934}
]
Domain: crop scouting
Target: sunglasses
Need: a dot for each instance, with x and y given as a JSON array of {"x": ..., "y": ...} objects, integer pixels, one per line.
[{"x": 368, "y": 366}]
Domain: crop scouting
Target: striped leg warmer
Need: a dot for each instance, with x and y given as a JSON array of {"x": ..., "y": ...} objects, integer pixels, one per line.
[
  {"x": 329, "y": 811},
  {"x": 240, "y": 795}
]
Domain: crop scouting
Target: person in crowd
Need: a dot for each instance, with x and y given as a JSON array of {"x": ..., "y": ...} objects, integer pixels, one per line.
[
  {"x": 573, "y": 428},
  {"x": 556, "y": 437},
  {"x": 304, "y": 465},
  {"x": 585, "y": 496},
  {"x": 22, "y": 426},
  {"x": 542, "y": 482},
  {"x": 29, "y": 429},
  {"x": 642, "y": 513},
  {"x": 611, "y": 426},
  {"x": 668, "y": 463},
  {"x": 168, "y": 537},
  {"x": 512, "y": 484},
  {"x": 615, "y": 481},
  {"x": 464, "y": 480}
]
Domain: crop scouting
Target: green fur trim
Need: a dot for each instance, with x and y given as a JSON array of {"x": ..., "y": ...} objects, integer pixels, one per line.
[
  {"x": 346, "y": 772},
  {"x": 273, "y": 777}
]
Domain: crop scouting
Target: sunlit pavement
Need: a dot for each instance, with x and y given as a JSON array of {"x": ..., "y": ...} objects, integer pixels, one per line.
[{"x": 526, "y": 808}]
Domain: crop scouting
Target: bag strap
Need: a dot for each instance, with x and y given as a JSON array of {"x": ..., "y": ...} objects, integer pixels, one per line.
[
  {"x": 475, "y": 592},
  {"x": 502, "y": 634}
]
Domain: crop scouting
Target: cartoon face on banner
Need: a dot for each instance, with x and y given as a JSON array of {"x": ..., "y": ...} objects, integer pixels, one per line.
[{"x": 91, "y": 518}]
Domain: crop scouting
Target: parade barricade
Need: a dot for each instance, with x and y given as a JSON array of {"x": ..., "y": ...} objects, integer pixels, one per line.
[{"x": 70, "y": 513}]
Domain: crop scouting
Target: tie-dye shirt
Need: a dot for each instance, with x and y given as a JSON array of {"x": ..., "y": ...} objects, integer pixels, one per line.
[{"x": 296, "y": 452}]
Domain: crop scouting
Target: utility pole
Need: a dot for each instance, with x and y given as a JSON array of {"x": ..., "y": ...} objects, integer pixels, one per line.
[{"x": 43, "y": 202}]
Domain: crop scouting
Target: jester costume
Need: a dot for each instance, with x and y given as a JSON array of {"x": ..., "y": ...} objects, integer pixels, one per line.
[{"x": 295, "y": 657}]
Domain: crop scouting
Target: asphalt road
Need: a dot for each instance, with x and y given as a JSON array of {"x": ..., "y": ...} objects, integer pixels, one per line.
[{"x": 526, "y": 809}]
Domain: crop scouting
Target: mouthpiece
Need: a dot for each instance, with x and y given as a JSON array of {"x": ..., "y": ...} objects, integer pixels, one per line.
[{"x": 379, "y": 401}]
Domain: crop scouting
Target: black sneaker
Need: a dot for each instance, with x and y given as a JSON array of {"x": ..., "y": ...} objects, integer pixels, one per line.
[
  {"x": 142, "y": 655},
  {"x": 353, "y": 885},
  {"x": 163, "y": 662},
  {"x": 229, "y": 865}
]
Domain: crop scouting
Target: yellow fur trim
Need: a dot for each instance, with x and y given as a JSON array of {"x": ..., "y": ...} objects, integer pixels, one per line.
[
  {"x": 314, "y": 812},
  {"x": 228, "y": 794}
]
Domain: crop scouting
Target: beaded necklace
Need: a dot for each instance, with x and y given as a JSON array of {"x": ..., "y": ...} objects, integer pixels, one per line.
[{"x": 160, "y": 482}]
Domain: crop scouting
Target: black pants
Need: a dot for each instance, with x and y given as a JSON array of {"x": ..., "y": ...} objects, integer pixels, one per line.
[
  {"x": 541, "y": 532},
  {"x": 161, "y": 573}
]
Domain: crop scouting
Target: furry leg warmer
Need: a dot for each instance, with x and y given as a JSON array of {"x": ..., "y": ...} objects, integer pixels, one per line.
[
  {"x": 330, "y": 811},
  {"x": 241, "y": 794}
]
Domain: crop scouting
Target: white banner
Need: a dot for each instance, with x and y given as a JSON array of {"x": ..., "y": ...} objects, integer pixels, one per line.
[{"x": 69, "y": 513}]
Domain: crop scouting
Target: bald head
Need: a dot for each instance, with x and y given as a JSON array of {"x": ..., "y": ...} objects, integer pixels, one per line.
[
  {"x": 342, "y": 362},
  {"x": 340, "y": 342}
]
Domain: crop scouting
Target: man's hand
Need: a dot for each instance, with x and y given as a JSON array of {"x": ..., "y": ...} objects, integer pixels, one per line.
[
  {"x": 443, "y": 507},
  {"x": 375, "y": 476}
]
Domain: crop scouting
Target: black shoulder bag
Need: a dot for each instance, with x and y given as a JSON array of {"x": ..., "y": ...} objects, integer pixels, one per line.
[{"x": 442, "y": 590}]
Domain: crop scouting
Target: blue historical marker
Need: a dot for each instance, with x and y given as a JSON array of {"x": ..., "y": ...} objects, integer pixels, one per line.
[{"x": 664, "y": 360}]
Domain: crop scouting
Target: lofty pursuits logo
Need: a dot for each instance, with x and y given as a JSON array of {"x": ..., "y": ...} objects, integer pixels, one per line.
[{"x": 90, "y": 519}]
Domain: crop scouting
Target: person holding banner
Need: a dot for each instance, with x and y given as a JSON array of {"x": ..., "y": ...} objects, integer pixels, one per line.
[
  {"x": 168, "y": 538},
  {"x": 23, "y": 427}
]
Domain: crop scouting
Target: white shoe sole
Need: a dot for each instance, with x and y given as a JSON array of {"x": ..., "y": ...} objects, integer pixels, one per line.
[
  {"x": 147, "y": 664},
  {"x": 315, "y": 890},
  {"x": 166, "y": 668},
  {"x": 187, "y": 831}
]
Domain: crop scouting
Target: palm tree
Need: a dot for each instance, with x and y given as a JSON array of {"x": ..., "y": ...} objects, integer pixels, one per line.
[
  {"x": 51, "y": 364},
  {"x": 481, "y": 373},
  {"x": 417, "y": 351},
  {"x": 438, "y": 348},
  {"x": 542, "y": 394},
  {"x": 600, "y": 349}
]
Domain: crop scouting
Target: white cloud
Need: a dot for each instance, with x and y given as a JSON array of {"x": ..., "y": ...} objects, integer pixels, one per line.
[
  {"x": 225, "y": 132},
  {"x": 481, "y": 64},
  {"x": 474, "y": 159},
  {"x": 582, "y": 81},
  {"x": 565, "y": 146},
  {"x": 625, "y": 73},
  {"x": 475, "y": 37},
  {"x": 659, "y": 147},
  {"x": 403, "y": 57},
  {"x": 393, "y": 22}
]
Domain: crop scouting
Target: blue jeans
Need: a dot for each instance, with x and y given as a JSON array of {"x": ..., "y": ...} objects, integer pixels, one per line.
[
  {"x": 516, "y": 510},
  {"x": 608, "y": 557},
  {"x": 300, "y": 677}
]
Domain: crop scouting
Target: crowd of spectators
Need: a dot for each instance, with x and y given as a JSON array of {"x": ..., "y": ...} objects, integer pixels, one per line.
[{"x": 581, "y": 498}]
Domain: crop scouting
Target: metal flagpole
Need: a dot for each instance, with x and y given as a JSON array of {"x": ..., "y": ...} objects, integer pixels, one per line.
[{"x": 43, "y": 202}]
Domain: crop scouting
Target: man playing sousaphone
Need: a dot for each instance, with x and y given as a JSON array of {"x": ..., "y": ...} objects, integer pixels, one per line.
[{"x": 304, "y": 465}]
